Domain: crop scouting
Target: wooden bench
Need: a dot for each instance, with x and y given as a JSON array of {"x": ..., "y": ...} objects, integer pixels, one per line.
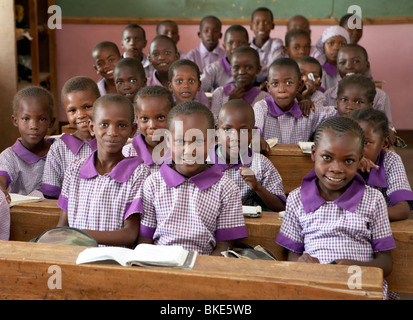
[
  {"x": 32, "y": 271},
  {"x": 291, "y": 163}
]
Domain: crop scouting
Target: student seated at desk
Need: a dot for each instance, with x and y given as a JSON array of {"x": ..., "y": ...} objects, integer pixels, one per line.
[
  {"x": 110, "y": 214},
  {"x": 78, "y": 96},
  {"x": 334, "y": 216},
  {"x": 311, "y": 74},
  {"x": 189, "y": 202},
  {"x": 253, "y": 173},
  {"x": 22, "y": 164},
  {"x": 387, "y": 173},
  {"x": 280, "y": 115}
]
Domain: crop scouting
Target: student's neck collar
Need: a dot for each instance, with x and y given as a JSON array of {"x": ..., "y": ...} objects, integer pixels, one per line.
[
  {"x": 105, "y": 163},
  {"x": 259, "y": 42}
]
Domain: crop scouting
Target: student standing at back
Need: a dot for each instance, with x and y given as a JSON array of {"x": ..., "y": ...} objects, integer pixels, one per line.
[
  {"x": 209, "y": 50},
  {"x": 297, "y": 44},
  {"x": 22, "y": 164},
  {"x": 218, "y": 73},
  {"x": 311, "y": 73},
  {"x": 269, "y": 49},
  {"x": 170, "y": 29},
  {"x": 78, "y": 96}
]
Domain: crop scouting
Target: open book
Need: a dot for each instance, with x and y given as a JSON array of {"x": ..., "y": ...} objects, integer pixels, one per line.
[
  {"x": 16, "y": 198},
  {"x": 252, "y": 211},
  {"x": 305, "y": 146},
  {"x": 144, "y": 255}
]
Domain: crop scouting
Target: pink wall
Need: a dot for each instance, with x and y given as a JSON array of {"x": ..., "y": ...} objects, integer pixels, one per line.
[{"x": 389, "y": 48}]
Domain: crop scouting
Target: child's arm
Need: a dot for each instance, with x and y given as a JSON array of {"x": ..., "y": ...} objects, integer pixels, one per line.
[
  {"x": 63, "y": 220},
  {"x": 305, "y": 257},
  {"x": 3, "y": 184},
  {"x": 400, "y": 211},
  {"x": 144, "y": 240},
  {"x": 222, "y": 246},
  {"x": 366, "y": 165},
  {"x": 381, "y": 260}
]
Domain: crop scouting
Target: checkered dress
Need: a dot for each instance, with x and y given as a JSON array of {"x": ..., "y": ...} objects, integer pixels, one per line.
[
  {"x": 216, "y": 74},
  {"x": 102, "y": 202},
  {"x": 194, "y": 213},
  {"x": 61, "y": 153},
  {"x": 4, "y": 218},
  {"x": 289, "y": 127}
]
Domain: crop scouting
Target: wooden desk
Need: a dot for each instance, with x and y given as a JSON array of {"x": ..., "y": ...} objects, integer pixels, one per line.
[
  {"x": 24, "y": 275},
  {"x": 291, "y": 163}
]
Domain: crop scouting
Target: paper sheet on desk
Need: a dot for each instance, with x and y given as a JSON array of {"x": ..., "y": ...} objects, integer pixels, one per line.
[
  {"x": 272, "y": 142},
  {"x": 305, "y": 146},
  {"x": 19, "y": 198}
]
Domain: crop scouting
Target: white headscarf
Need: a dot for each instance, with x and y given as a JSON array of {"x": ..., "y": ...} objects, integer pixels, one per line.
[{"x": 329, "y": 33}]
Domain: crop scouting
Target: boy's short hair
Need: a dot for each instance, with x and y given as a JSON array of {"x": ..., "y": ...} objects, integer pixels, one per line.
[
  {"x": 132, "y": 63},
  {"x": 236, "y": 28},
  {"x": 249, "y": 50},
  {"x": 33, "y": 92},
  {"x": 239, "y": 105},
  {"x": 373, "y": 117},
  {"x": 286, "y": 62},
  {"x": 135, "y": 26},
  {"x": 313, "y": 61},
  {"x": 344, "y": 19},
  {"x": 183, "y": 62},
  {"x": 106, "y": 44},
  {"x": 294, "y": 33},
  {"x": 155, "y": 91},
  {"x": 212, "y": 18},
  {"x": 166, "y": 38},
  {"x": 114, "y": 98},
  {"x": 191, "y": 107},
  {"x": 262, "y": 9},
  {"x": 361, "y": 81},
  {"x": 357, "y": 46},
  {"x": 80, "y": 83},
  {"x": 164, "y": 22}
]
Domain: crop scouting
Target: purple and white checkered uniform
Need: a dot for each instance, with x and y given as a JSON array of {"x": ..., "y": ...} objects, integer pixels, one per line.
[
  {"x": 318, "y": 98},
  {"x": 61, "y": 153},
  {"x": 265, "y": 173},
  {"x": 221, "y": 96},
  {"x": 330, "y": 76},
  {"x": 22, "y": 169},
  {"x": 272, "y": 49},
  {"x": 391, "y": 179},
  {"x": 4, "y": 218},
  {"x": 194, "y": 213},
  {"x": 291, "y": 126},
  {"x": 216, "y": 74},
  {"x": 202, "y": 57},
  {"x": 137, "y": 147},
  {"x": 102, "y": 202}
]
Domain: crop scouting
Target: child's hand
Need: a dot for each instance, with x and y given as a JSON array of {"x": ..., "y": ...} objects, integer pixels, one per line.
[
  {"x": 237, "y": 93},
  {"x": 7, "y": 195},
  {"x": 305, "y": 257},
  {"x": 367, "y": 164},
  {"x": 309, "y": 89},
  {"x": 249, "y": 177},
  {"x": 306, "y": 106},
  {"x": 264, "y": 146}
]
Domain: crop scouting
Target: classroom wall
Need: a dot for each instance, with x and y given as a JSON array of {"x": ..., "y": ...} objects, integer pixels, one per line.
[{"x": 389, "y": 46}]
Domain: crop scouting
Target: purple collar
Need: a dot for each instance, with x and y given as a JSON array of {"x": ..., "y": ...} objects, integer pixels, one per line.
[
  {"x": 275, "y": 110},
  {"x": 120, "y": 173},
  {"x": 26, "y": 155},
  {"x": 142, "y": 150},
  {"x": 216, "y": 156},
  {"x": 248, "y": 96},
  {"x": 204, "y": 51},
  {"x": 202, "y": 180},
  {"x": 377, "y": 177},
  {"x": 225, "y": 64},
  {"x": 330, "y": 69},
  {"x": 349, "y": 200},
  {"x": 75, "y": 145}
]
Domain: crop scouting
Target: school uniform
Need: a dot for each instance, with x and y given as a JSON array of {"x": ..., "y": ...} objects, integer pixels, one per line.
[
  {"x": 4, "y": 218},
  {"x": 202, "y": 57},
  {"x": 216, "y": 74},
  {"x": 146, "y": 64},
  {"x": 137, "y": 147},
  {"x": 391, "y": 179},
  {"x": 354, "y": 226},
  {"x": 319, "y": 98},
  {"x": 330, "y": 76},
  {"x": 114, "y": 194},
  {"x": 221, "y": 96},
  {"x": 194, "y": 213},
  {"x": 272, "y": 49},
  {"x": 265, "y": 173},
  {"x": 381, "y": 101},
  {"x": 22, "y": 169},
  {"x": 61, "y": 153},
  {"x": 288, "y": 126}
]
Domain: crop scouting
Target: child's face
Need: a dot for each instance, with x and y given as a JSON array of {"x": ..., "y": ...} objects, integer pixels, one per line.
[
  {"x": 298, "y": 22},
  {"x": 233, "y": 40},
  {"x": 170, "y": 30},
  {"x": 112, "y": 126},
  {"x": 128, "y": 82},
  {"x": 354, "y": 34},
  {"x": 299, "y": 47},
  {"x": 189, "y": 143},
  {"x": 374, "y": 141},
  {"x": 306, "y": 68},
  {"x": 262, "y": 25},
  {"x": 133, "y": 42},
  {"x": 79, "y": 108},
  {"x": 231, "y": 124},
  {"x": 151, "y": 115},
  {"x": 244, "y": 69},
  {"x": 210, "y": 33},
  {"x": 162, "y": 54},
  {"x": 283, "y": 85},
  {"x": 351, "y": 60},
  {"x": 352, "y": 98},
  {"x": 185, "y": 84},
  {"x": 105, "y": 59},
  {"x": 33, "y": 120},
  {"x": 336, "y": 159},
  {"x": 331, "y": 48}
]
